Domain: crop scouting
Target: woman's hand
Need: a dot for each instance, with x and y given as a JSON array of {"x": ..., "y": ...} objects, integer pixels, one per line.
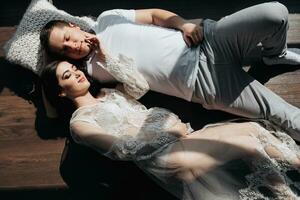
[
  {"x": 95, "y": 44},
  {"x": 192, "y": 33}
]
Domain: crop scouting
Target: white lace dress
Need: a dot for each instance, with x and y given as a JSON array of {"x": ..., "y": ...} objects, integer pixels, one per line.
[
  {"x": 140, "y": 132},
  {"x": 142, "y": 135}
]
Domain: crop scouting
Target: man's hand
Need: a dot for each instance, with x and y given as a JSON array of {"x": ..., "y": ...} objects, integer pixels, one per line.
[
  {"x": 95, "y": 45},
  {"x": 93, "y": 41},
  {"x": 192, "y": 34}
]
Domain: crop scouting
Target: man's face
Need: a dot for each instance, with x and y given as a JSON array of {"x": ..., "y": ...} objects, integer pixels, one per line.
[{"x": 69, "y": 41}]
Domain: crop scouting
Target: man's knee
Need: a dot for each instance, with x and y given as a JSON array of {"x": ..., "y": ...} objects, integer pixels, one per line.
[{"x": 276, "y": 14}]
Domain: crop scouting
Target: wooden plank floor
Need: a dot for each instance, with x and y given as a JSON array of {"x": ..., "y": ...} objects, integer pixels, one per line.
[
  {"x": 287, "y": 85},
  {"x": 27, "y": 161}
]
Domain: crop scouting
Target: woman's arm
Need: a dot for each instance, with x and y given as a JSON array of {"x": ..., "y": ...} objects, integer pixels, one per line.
[
  {"x": 124, "y": 70},
  {"x": 96, "y": 138},
  {"x": 92, "y": 136}
]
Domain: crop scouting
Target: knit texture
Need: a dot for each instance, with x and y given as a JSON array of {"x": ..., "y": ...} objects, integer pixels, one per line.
[{"x": 24, "y": 47}]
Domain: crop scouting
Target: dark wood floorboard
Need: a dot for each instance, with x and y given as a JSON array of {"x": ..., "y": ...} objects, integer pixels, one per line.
[{"x": 30, "y": 160}]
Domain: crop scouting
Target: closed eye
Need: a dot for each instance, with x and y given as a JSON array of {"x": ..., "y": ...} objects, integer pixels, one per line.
[{"x": 67, "y": 75}]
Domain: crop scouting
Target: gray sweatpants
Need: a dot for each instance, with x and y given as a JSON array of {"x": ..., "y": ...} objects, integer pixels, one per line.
[{"x": 222, "y": 83}]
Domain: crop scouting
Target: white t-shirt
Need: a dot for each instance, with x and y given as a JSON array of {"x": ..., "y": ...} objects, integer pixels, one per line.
[{"x": 160, "y": 54}]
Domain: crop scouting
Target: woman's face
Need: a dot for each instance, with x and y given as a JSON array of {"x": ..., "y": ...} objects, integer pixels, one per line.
[{"x": 72, "y": 81}]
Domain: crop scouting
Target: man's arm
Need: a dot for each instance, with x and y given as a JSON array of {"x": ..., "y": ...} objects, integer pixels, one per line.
[{"x": 192, "y": 33}]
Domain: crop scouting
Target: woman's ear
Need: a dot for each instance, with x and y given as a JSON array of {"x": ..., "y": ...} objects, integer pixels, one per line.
[{"x": 62, "y": 94}]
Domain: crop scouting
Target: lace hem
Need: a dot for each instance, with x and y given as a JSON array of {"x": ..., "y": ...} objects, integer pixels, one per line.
[
  {"x": 269, "y": 172},
  {"x": 130, "y": 148}
]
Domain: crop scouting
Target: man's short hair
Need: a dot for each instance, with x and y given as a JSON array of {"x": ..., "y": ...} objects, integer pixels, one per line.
[{"x": 45, "y": 35}]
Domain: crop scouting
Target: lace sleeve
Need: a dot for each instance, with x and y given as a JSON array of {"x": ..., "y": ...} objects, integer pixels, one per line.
[
  {"x": 85, "y": 133},
  {"x": 124, "y": 70}
]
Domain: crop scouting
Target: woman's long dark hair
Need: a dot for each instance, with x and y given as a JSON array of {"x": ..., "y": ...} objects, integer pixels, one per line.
[{"x": 64, "y": 106}]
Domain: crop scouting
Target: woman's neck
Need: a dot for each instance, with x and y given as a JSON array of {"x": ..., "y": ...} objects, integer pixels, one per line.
[{"x": 85, "y": 100}]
